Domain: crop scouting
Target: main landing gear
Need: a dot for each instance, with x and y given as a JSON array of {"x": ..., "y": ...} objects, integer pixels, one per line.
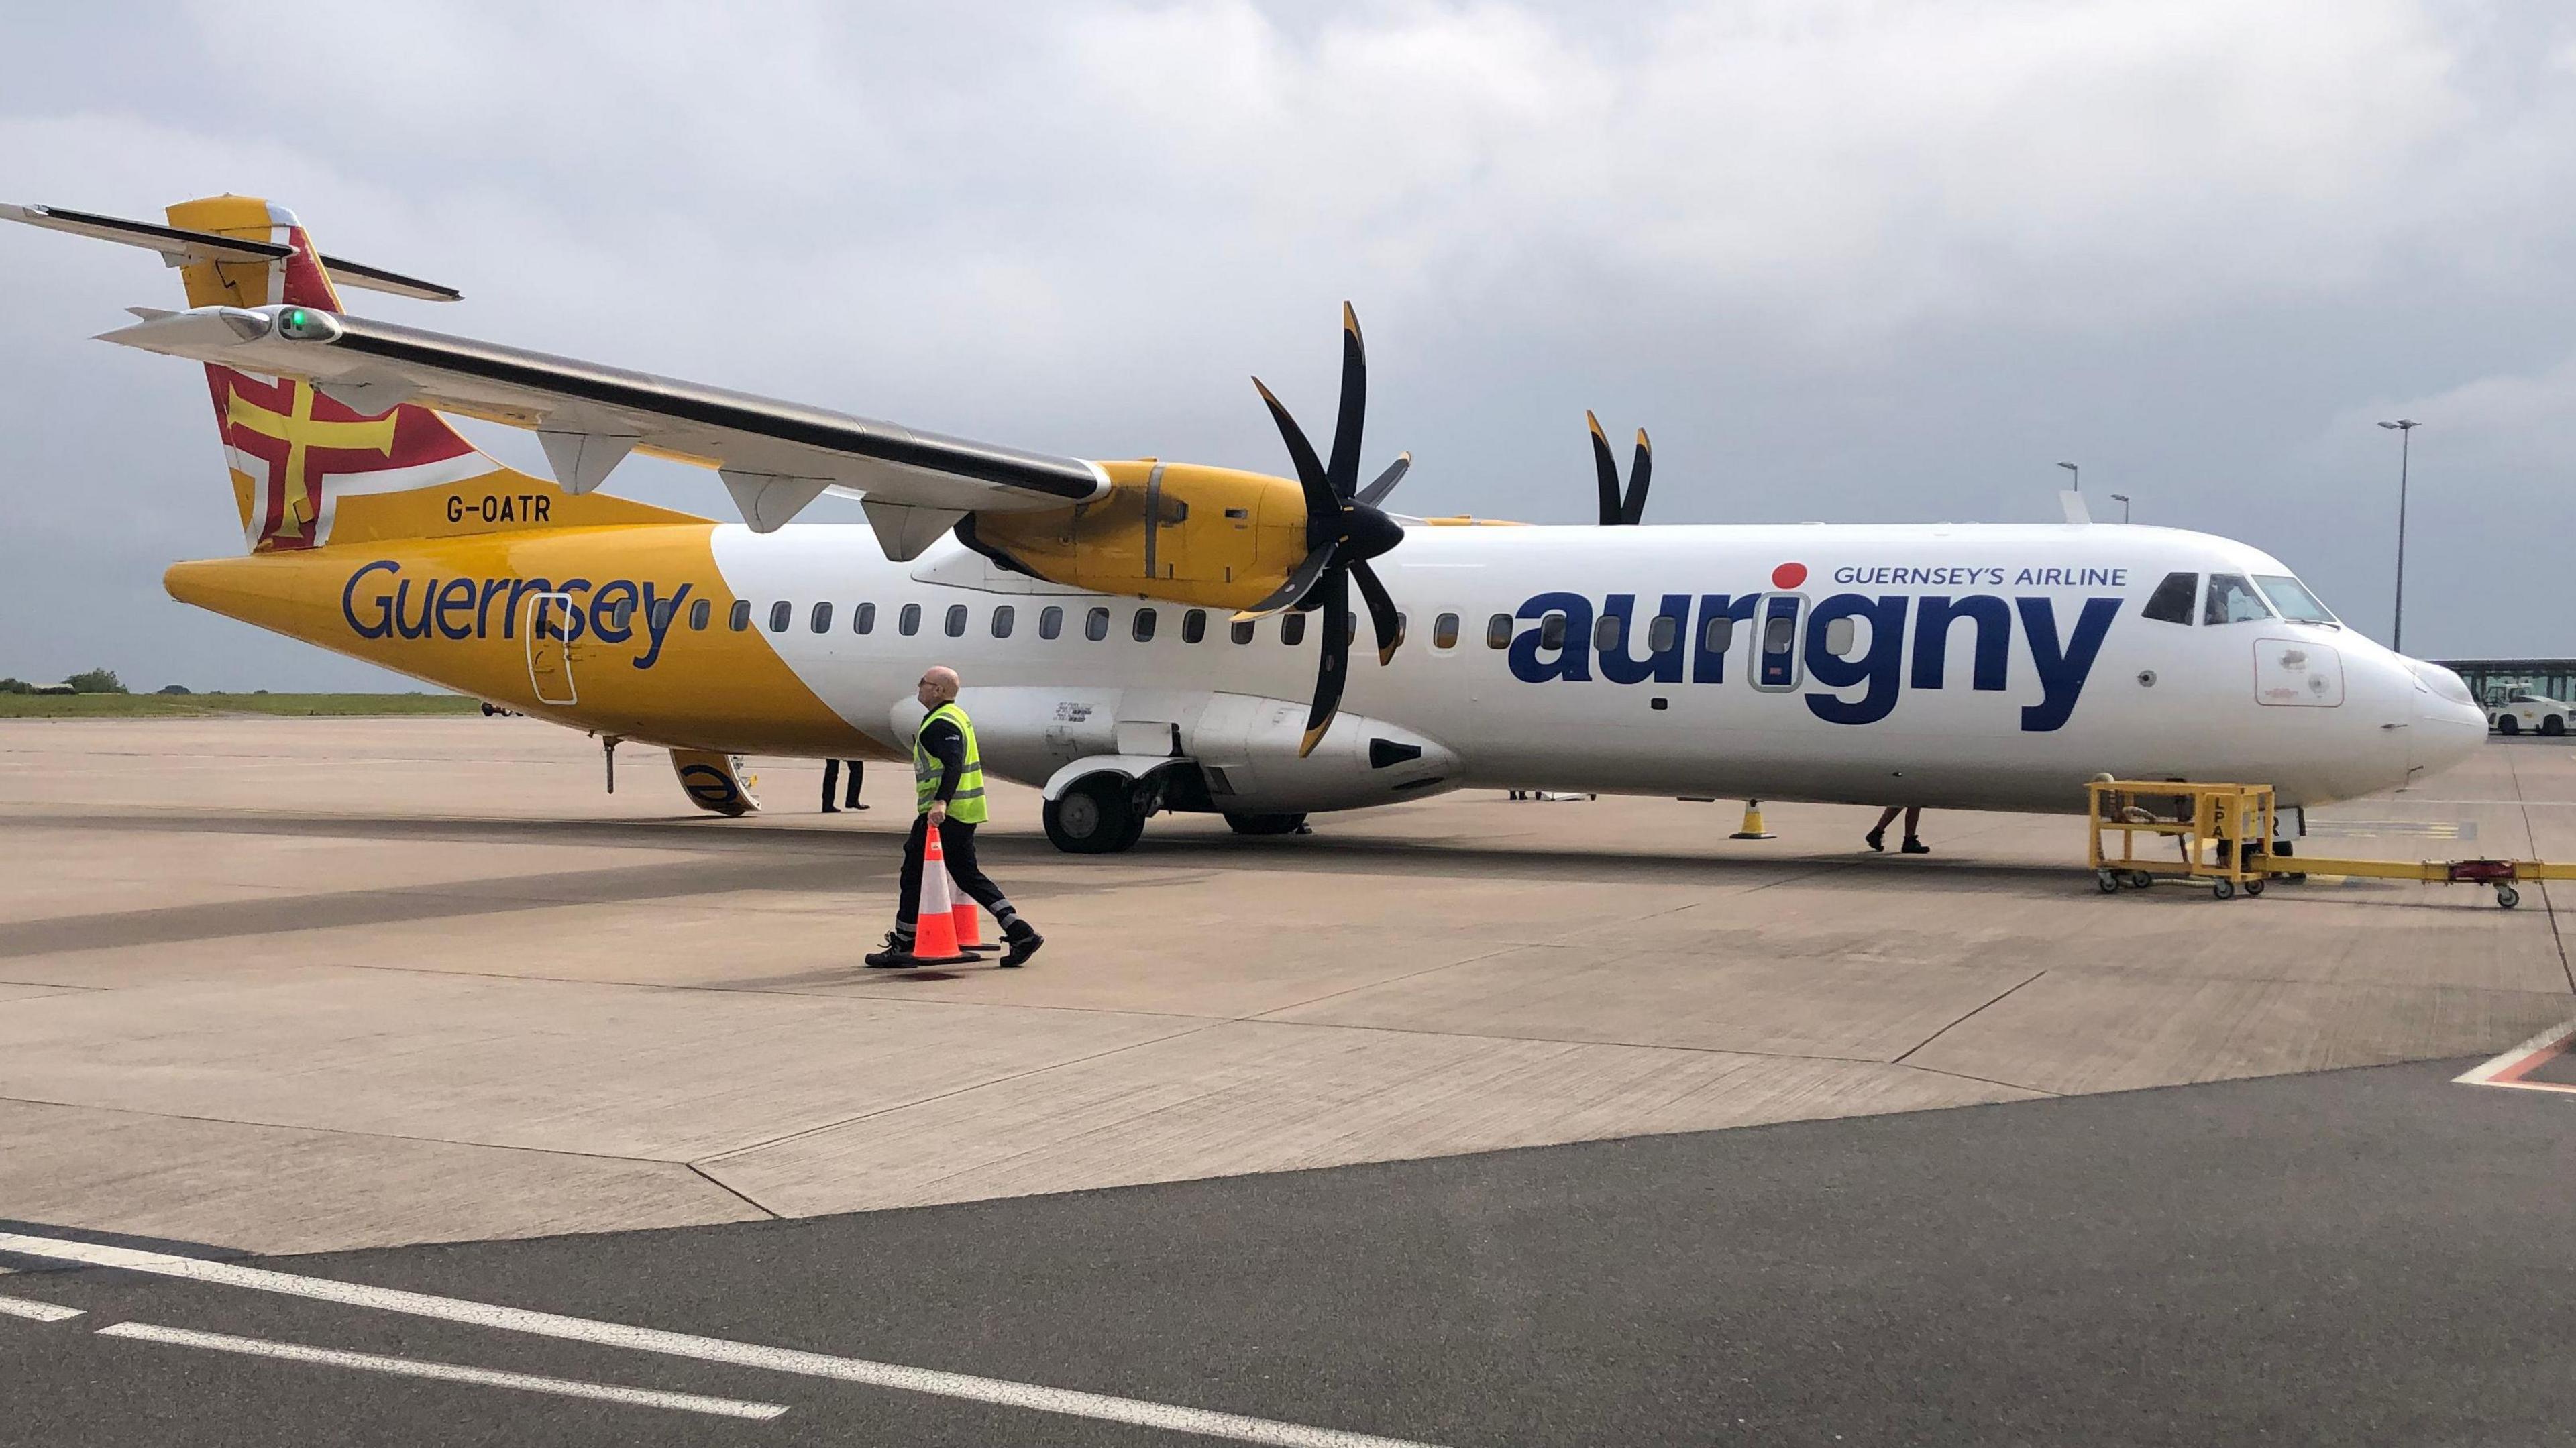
[{"x": 1100, "y": 814}]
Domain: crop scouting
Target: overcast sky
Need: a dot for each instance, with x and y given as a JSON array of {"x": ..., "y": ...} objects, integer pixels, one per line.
[{"x": 1846, "y": 261}]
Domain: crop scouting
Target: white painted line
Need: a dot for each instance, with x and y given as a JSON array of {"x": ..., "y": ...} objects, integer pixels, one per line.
[
  {"x": 709, "y": 1349},
  {"x": 412, "y": 1368},
  {"x": 2509, "y": 1068},
  {"x": 40, "y": 1311}
]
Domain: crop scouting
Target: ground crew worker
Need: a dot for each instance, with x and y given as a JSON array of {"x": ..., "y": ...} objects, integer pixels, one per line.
[
  {"x": 1876, "y": 839},
  {"x": 832, "y": 776},
  {"x": 948, "y": 786}
]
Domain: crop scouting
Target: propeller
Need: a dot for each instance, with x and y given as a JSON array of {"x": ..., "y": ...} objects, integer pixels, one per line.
[
  {"x": 1618, "y": 510},
  {"x": 1344, "y": 530}
]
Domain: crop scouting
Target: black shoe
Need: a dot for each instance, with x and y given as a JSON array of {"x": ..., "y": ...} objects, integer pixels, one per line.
[
  {"x": 1876, "y": 840},
  {"x": 831, "y": 809},
  {"x": 895, "y": 956},
  {"x": 1024, "y": 942},
  {"x": 1913, "y": 846},
  {"x": 858, "y": 806}
]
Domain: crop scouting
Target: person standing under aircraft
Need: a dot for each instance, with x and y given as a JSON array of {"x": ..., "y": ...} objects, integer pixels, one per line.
[
  {"x": 948, "y": 785},
  {"x": 1877, "y": 836},
  {"x": 831, "y": 776}
]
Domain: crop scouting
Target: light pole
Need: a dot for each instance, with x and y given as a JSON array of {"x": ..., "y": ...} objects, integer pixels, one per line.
[
  {"x": 2123, "y": 500},
  {"x": 2404, "y": 428},
  {"x": 2079, "y": 475}
]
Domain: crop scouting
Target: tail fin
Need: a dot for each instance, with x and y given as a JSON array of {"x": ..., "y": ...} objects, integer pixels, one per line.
[{"x": 309, "y": 470}]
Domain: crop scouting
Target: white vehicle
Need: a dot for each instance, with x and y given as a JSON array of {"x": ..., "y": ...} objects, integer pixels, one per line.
[
  {"x": 2530, "y": 714},
  {"x": 1143, "y": 634}
]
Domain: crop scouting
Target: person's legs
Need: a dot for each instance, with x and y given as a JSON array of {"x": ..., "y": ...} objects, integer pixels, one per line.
[
  {"x": 1913, "y": 822},
  {"x": 1876, "y": 839},
  {"x": 858, "y": 770},
  {"x": 1023, "y": 937},
  {"x": 898, "y": 949},
  {"x": 831, "y": 776}
]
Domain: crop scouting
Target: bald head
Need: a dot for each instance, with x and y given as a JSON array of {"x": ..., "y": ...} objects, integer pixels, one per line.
[{"x": 938, "y": 686}]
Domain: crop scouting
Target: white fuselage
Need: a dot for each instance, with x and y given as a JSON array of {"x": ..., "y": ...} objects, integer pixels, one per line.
[{"x": 2046, "y": 673}]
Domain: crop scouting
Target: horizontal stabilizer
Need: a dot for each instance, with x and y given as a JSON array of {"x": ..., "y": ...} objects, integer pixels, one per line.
[{"x": 179, "y": 246}]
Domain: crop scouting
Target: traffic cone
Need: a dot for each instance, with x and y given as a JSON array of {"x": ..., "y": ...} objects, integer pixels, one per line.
[
  {"x": 1752, "y": 829},
  {"x": 963, "y": 912},
  {"x": 934, "y": 940}
]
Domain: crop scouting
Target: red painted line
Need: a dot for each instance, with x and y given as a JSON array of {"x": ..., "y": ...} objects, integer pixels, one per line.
[{"x": 2509, "y": 1069}]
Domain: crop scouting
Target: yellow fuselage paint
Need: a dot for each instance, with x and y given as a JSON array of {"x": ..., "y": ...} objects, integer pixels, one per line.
[{"x": 457, "y": 612}]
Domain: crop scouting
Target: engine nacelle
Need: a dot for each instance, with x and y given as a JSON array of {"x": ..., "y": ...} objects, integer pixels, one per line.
[{"x": 1214, "y": 537}]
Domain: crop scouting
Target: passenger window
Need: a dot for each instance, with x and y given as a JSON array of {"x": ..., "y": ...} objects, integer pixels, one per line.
[
  {"x": 1143, "y": 627},
  {"x": 1718, "y": 634},
  {"x": 1003, "y": 616},
  {"x": 1498, "y": 631},
  {"x": 908, "y": 622},
  {"x": 2233, "y": 600},
  {"x": 863, "y": 619},
  {"x": 1242, "y": 630},
  {"x": 2171, "y": 602},
  {"x": 739, "y": 617},
  {"x": 621, "y": 614},
  {"x": 700, "y": 613},
  {"x": 1839, "y": 637},
  {"x": 661, "y": 616},
  {"x": 1095, "y": 625},
  {"x": 1050, "y": 622},
  {"x": 956, "y": 620},
  {"x": 1779, "y": 633},
  {"x": 781, "y": 614},
  {"x": 1605, "y": 634},
  {"x": 1444, "y": 631},
  {"x": 1292, "y": 629},
  {"x": 1663, "y": 633},
  {"x": 1551, "y": 631},
  {"x": 822, "y": 618},
  {"x": 1193, "y": 625}
]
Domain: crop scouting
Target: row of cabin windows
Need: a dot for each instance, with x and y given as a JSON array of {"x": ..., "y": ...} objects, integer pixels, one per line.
[{"x": 1609, "y": 633}]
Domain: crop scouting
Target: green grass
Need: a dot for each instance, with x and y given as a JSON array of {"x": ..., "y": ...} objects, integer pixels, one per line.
[{"x": 198, "y": 706}]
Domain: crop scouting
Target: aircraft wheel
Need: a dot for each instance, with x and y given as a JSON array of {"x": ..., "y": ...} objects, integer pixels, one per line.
[
  {"x": 2508, "y": 725},
  {"x": 1264, "y": 824},
  {"x": 1096, "y": 816},
  {"x": 2554, "y": 725},
  {"x": 2222, "y": 889}
]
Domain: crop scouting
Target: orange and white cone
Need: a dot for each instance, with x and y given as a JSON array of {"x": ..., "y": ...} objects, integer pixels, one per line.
[
  {"x": 934, "y": 940},
  {"x": 969, "y": 937}
]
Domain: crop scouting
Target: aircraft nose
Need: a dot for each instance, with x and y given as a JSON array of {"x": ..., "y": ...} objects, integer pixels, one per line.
[{"x": 2449, "y": 726}]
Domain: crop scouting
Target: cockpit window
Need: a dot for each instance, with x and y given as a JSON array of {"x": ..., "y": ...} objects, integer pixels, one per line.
[
  {"x": 2292, "y": 598},
  {"x": 2233, "y": 600},
  {"x": 2171, "y": 602}
]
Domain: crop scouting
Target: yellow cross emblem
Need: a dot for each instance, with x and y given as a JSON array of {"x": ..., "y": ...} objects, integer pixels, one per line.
[{"x": 299, "y": 430}]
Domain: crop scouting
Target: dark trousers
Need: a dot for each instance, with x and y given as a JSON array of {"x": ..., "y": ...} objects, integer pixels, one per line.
[
  {"x": 831, "y": 776},
  {"x": 957, "y": 842}
]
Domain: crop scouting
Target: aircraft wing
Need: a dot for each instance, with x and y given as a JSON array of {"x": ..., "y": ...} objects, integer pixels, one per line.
[{"x": 774, "y": 456}]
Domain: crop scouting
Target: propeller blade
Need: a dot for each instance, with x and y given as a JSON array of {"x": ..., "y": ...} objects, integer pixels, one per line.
[
  {"x": 1334, "y": 649},
  {"x": 1382, "y": 616},
  {"x": 1343, "y": 472},
  {"x": 1634, "y": 511},
  {"x": 1376, "y": 492},
  {"x": 1321, "y": 503},
  {"x": 1300, "y": 580},
  {"x": 1605, "y": 473}
]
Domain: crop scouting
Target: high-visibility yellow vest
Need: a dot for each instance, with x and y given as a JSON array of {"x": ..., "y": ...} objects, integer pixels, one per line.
[{"x": 966, "y": 806}]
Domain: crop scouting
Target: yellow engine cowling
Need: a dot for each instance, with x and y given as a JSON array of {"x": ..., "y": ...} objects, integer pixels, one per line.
[{"x": 1214, "y": 537}]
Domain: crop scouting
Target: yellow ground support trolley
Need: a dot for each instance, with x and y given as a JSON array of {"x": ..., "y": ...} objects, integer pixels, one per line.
[{"x": 2222, "y": 834}]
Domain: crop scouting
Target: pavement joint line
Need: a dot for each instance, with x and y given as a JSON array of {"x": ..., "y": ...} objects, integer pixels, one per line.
[
  {"x": 2549, "y": 907},
  {"x": 737, "y": 1193},
  {"x": 346, "y": 1131},
  {"x": 35, "y": 1311},
  {"x": 449, "y": 1372},
  {"x": 933, "y": 1381},
  {"x": 1264, "y": 1016},
  {"x": 1205, "y": 1024},
  {"x": 1963, "y": 1020}
]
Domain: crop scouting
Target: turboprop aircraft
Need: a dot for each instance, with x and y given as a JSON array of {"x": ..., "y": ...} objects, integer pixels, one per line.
[{"x": 1146, "y": 635}]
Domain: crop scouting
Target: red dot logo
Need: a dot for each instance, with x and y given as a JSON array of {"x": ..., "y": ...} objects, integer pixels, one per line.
[{"x": 1788, "y": 575}]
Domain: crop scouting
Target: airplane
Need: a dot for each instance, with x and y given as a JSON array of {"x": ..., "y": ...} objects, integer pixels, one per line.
[{"x": 1140, "y": 636}]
